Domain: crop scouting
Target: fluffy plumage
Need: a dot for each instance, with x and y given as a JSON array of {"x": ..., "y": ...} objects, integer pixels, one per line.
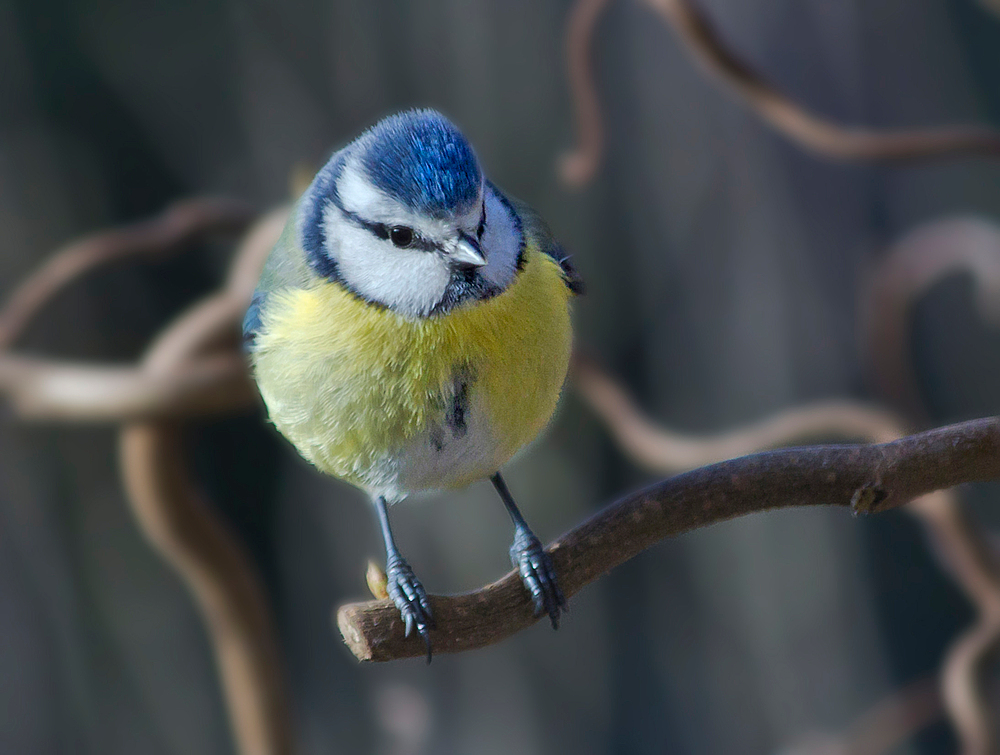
[
  {"x": 364, "y": 393},
  {"x": 411, "y": 330}
]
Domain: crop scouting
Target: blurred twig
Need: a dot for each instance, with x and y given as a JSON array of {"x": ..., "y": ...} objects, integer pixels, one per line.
[
  {"x": 44, "y": 389},
  {"x": 193, "y": 368},
  {"x": 895, "y": 719},
  {"x": 178, "y": 226},
  {"x": 185, "y": 529},
  {"x": 959, "y": 547},
  {"x": 907, "y": 271},
  {"x": 811, "y": 131},
  {"x": 664, "y": 451},
  {"x": 882, "y": 728},
  {"x": 871, "y": 477},
  {"x": 47, "y": 389},
  {"x": 179, "y": 384},
  {"x": 993, "y": 6},
  {"x": 578, "y": 166}
]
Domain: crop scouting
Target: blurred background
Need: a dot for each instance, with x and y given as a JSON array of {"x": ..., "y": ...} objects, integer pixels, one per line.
[{"x": 725, "y": 266}]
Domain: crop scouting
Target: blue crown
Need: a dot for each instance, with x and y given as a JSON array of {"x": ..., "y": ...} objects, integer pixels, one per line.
[{"x": 421, "y": 158}]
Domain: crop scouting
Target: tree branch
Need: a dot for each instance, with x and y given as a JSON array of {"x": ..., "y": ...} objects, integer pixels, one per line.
[
  {"x": 664, "y": 451},
  {"x": 867, "y": 478},
  {"x": 182, "y": 525},
  {"x": 910, "y": 267},
  {"x": 194, "y": 368},
  {"x": 579, "y": 165},
  {"x": 176, "y": 227},
  {"x": 811, "y": 131},
  {"x": 794, "y": 121},
  {"x": 53, "y": 391}
]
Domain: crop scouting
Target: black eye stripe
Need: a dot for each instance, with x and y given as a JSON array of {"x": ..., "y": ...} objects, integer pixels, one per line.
[{"x": 382, "y": 231}]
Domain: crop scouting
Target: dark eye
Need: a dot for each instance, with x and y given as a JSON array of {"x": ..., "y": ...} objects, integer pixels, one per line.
[
  {"x": 401, "y": 236},
  {"x": 481, "y": 229}
]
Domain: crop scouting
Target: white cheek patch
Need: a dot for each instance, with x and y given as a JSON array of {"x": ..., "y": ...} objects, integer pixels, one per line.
[
  {"x": 408, "y": 281},
  {"x": 411, "y": 281},
  {"x": 501, "y": 242}
]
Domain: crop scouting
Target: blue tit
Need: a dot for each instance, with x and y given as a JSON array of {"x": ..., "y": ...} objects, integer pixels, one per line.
[{"x": 411, "y": 331}]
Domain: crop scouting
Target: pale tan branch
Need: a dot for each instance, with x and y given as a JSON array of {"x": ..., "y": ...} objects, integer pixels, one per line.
[
  {"x": 907, "y": 271},
  {"x": 195, "y": 367},
  {"x": 183, "y": 527},
  {"x": 871, "y": 477},
  {"x": 578, "y": 166},
  {"x": 967, "y": 708},
  {"x": 662, "y": 450},
  {"x": 895, "y": 719},
  {"x": 48, "y": 390},
  {"x": 249, "y": 260},
  {"x": 960, "y": 550},
  {"x": 178, "y": 226},
  {"x": 993, "y": 6},
  {"x": 882, "y": 728},
  {"x": 217, "y": 317},
  {"x": 811, "y": 131}
]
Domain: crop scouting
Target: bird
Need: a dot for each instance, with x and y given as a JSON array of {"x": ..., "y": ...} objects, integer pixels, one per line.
[{"x": 411, "y": 331}]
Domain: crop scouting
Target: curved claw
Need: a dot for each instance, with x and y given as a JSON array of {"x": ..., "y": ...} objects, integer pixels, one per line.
[
  {"x": 410, "y": 598},
  {"x": 534, "y": 565}
]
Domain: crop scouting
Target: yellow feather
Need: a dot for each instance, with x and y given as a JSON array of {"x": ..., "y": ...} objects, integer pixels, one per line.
[{"x": 349, "y": 383}]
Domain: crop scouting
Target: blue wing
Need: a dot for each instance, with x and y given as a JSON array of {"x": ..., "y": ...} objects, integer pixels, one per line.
[
  {"x": 286, "y": 267},
  {"x": 251, "y": 320},
  {"x": 538, "y": 230}
]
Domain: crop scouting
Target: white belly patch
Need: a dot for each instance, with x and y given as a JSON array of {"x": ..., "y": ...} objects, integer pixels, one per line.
[{"x": 457, "y": 450}]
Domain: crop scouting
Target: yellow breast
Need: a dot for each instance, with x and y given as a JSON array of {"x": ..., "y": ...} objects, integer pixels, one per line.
[{"x": 351, "y": 385}]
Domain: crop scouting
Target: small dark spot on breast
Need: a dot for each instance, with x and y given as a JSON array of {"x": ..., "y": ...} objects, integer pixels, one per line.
[{"x": 459, "y": 407}]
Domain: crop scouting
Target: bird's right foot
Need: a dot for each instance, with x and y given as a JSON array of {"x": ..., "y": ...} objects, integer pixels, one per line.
[
  {"x": 538, "y": 574},
  {"x": 410, "y": 598}
]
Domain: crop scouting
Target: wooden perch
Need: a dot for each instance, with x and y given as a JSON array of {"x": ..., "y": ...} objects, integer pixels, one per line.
[
  {"x": 959, "y": 547},
  {"x": 872, "y": 477}
]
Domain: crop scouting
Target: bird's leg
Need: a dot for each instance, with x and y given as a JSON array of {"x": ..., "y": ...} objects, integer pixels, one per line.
[
  {"x": 403, "y": 587},
  {"x": 531, "y": 560}
]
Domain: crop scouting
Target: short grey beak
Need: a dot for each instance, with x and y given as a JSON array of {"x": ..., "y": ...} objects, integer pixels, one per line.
[{"x": 467, "y": 252}]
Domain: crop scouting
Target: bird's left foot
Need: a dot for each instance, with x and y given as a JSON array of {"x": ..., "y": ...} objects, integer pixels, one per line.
[
  {"x": 410, "y": 598},
  {"x": 534, "y": 565}
]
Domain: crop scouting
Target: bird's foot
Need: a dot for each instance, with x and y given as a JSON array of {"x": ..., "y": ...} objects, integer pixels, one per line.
[
  {"x": 534, "y": 565},
  {"x": 410, "y": 598}
]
